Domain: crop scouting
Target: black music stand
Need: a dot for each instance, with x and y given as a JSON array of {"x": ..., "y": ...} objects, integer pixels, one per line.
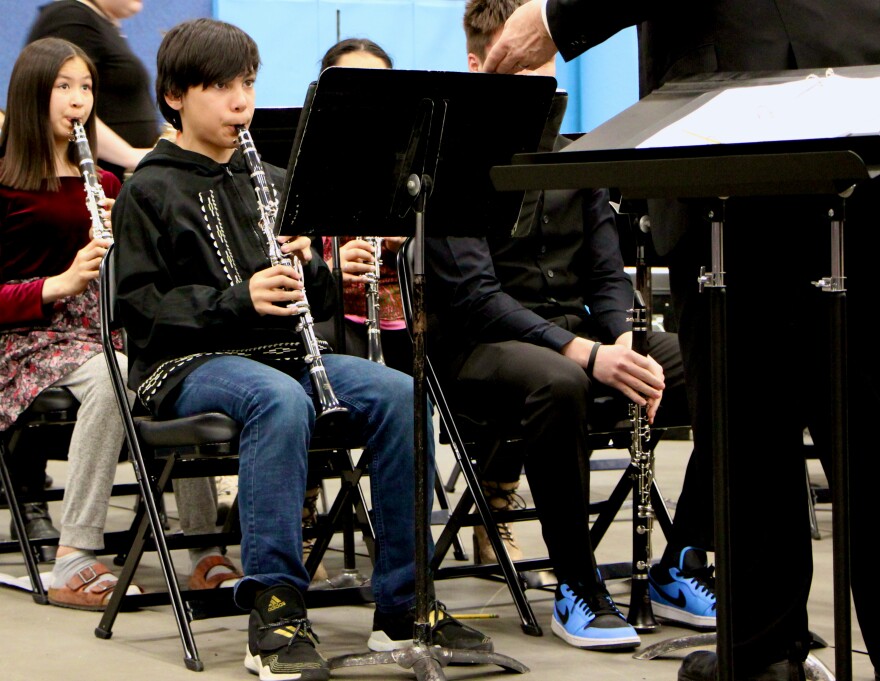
[
  {"x": 824, "y": 166},
  {"x": 373, "y": 149}
]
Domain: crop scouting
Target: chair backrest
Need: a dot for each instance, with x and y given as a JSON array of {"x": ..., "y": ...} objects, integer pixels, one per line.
[{"x": 109, "y": 323}]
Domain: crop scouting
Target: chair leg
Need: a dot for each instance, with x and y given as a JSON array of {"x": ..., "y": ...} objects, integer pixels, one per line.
[
  {"x": 28, "y": 552},
  {"x": 449, "y": 486},
  {"x": 139, "y": 534},
  {"x": 528, "y": 621},
  {"x": 349, "y": 505},
  {"x": 612, "y": 505},
  {"x": 458, "y": 550},
  {"x": 149, "y": 493}
]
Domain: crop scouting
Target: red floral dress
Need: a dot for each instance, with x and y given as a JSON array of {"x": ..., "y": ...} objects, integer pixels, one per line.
[{"x": 40, "y": 233}]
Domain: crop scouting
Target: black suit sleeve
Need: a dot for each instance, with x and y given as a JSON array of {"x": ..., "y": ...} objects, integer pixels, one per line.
[
  {"x": 578, "y": 25},
  {"x": 475, "y": 304}
]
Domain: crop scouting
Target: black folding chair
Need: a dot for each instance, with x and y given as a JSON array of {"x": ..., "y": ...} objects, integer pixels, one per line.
[{"x": 200, "y": 446}]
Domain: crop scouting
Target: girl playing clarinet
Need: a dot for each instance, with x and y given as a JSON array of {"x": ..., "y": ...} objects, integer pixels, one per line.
[{"x": 49, "y": 305}]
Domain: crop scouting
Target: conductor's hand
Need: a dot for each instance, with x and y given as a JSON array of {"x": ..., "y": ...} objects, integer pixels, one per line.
[
  {"x": 76, "y": 278},
  {"x": 277, "y": 284},
  {"x": 524, "y": 43},
  {"x": 639, "y": 378},
  {"x": 299, "y": 246}
]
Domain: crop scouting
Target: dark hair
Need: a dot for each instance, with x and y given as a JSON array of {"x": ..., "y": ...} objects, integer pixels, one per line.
[
  {"x": 27, "y": 144},
  {"x": 201, "y": 52},
  {"x": 482, "y": 18},
  {"x": 349, "y": 45}
]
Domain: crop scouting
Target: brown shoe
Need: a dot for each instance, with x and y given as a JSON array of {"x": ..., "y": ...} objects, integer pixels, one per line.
[
  {"x": 309, "y": 521},
  {"x": 503, "y": 496},
  {"x": 89, "y": 589},
  {"x": 199, "y": 579}
]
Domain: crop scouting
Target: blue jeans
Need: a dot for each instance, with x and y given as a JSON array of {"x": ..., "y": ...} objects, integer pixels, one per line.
[{"x": 277, "y": 416}]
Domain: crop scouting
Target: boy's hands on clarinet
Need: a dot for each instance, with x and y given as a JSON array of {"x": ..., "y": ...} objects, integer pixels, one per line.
[{"x": 275, "y": 289}]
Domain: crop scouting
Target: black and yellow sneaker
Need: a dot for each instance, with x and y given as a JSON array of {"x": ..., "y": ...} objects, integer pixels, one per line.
[
  {"x": 281, "y": 645},
  {"x": 393, "y": 631}
]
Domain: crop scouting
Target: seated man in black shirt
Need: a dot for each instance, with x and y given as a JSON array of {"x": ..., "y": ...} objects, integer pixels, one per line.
[{"x": 532, "y": 330}]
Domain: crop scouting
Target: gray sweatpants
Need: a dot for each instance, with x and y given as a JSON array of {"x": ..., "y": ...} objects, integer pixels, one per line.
[{"x": 92, "y": 458}]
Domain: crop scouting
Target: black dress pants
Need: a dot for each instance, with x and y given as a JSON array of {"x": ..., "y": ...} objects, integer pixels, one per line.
[{"x": 546, "y": 398}]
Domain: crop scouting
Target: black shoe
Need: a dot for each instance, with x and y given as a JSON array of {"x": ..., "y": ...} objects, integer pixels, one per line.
[
  {"x": 281, "y": 645},
  {"x": 38, "y": 525},
  {"x": 703, "y": 666},
  {"x": 393, "y": 631}
]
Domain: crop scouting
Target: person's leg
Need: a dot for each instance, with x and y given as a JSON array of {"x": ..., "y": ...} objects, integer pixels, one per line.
[
  {"x": 93, "y": 454},
  {"x": 863, "y": 405},
  {"x": 546, "y": 397},
  {"x": 681, "y": 584},
  {"x": 768, "y": 496},
  {"x": 277, "y": 418},
  {"x": 380, "y": 408},
  {"x": 78, "y": 579}
]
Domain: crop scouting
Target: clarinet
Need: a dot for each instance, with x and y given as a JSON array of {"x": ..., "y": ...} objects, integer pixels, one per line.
[
  {"x": 641, "y": 615},
  {"x": 268, "y": 206},
  {"x": 94, "y": 190},
  {"x": 374, "y": 336}
]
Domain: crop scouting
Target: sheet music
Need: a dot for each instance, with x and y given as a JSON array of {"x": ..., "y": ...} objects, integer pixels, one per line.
[{"x": 811, "y": 108}]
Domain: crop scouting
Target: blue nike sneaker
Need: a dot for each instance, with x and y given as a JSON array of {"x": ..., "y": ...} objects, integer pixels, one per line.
[
  {"x": 592, "y": 622},
  {"x": 685, "y": 593}
]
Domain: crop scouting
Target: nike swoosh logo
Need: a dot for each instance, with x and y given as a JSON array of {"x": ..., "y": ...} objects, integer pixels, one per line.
[
  {"x": 563, "y": 615},
  {"x": 679, "y": 600}
]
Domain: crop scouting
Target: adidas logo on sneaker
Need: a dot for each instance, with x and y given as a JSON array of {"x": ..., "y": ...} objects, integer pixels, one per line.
[
  {"x": 281, "y": 644},
  {"x": 275, "y": 603}
]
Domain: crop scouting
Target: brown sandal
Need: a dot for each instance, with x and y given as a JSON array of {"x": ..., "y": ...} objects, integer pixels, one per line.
[
  {"x": 198, "y": 579},
  {"x": 86, "y": 590}
]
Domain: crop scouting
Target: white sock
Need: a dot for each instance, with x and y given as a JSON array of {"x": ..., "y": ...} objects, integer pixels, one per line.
[{"x": 68, "y": 565}]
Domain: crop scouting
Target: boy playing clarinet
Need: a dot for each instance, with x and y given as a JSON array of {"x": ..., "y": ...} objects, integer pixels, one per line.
[{"x": 211, "y": 328}]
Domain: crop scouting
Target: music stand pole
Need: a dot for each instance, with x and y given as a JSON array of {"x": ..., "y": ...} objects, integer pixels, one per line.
[
  {"x": 714, "y": 285},
  {"x": 425, "y": 659},
  {"x": 835, "y": 285}
]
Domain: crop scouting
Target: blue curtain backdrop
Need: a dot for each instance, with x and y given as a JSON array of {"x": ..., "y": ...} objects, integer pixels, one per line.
[{"x": 294, "y": 34}]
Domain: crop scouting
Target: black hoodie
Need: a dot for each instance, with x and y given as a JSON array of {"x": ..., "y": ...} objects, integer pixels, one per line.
[{"x": 187, "y": 242}]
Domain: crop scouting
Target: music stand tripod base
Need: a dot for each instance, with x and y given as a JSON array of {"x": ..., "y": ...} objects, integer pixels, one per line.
[
  {"x": 814, "y": 667},
  {"x": 426, "y": 661}
]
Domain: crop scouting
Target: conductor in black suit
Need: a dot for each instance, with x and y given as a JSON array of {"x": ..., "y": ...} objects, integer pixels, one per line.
[{"x": 777, "y": 343}]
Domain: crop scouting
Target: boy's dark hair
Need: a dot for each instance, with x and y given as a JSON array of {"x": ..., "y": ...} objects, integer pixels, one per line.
[
  {"x": 482, "y": 18},
  {"x": 201, "y": 52},
  {"x": 27, "y": 142},
  {"x": 349, "y": 45}
]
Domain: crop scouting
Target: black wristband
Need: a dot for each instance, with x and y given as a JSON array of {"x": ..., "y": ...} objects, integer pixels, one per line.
[{"x": 592, "y": 360}]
